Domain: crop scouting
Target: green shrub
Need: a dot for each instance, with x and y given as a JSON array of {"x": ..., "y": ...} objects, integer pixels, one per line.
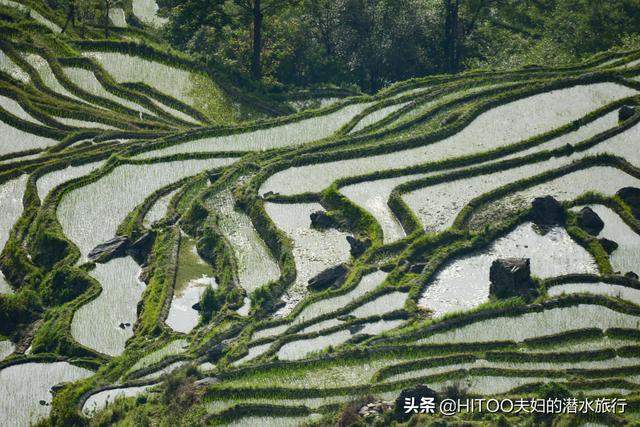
[
  {"x": 65, "y": 284},
  {"x": 17, "y": 309}
]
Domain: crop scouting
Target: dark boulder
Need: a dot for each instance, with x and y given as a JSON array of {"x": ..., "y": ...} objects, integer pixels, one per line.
[
  {"x": 197, "y": 306},
  {"x": 510, "y": 277},
  {"x": 626, "y": 112},
  {"x": 358, "y": 247},
  {"x": 631, "y": 275},
  {"x": 141, "y": 248},
  {"x": 608, "y": 245},
  {"x": 547, "y": 211},
  {"x": 114, "y": 248},
  {"x": 387, "y": 268},
  {"x": 590, "y": 221},
  {"x": 332, "y": 276},
  {"x": 415, "y": 395},
  {"x": 321, "y": 221},
  {"x": 631, "y": 196}
]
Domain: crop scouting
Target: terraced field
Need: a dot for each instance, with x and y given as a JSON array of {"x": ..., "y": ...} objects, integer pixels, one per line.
[{"x": 158, "y": 226}]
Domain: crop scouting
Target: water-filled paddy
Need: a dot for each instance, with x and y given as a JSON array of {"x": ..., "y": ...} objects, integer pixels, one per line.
[
  {"x": 376, "y": 116},
  {"x": 91, "y": 214},
  {"x": 87, "y": 81},
  {"x": 256, "y": 266},
  {"x": 531, "y": 325},
  {"x": 373, "y": 196},
  {"x": 437, "y": 205},
  {"x": 13, "y": 107},
  {"x": 106, "y": 323},
  {"x": 313, "y": 250},
  {"x": 603, "y": 179},
  {"x": 598, "y": 288},
  {"x": 194, "y": 276},
  {"x": 51, "y": 180},
  {"x": 464, "y": 282},
  {"x": 627, "y": 256},
  {"x": 13, "y": 140},
  {"x": 22, "y": 387},
  {"x": 292, "y": 134},
  {"x": 193, "y": 89},
  {"x": 33, "y": 14},
  {"x": 384, "y": 304},
  {"x": 296, "y": 350},
  {"x": 6, "y": 348},
  {"x": 254, "y": 352},
  {"x": 101, "y": 400},
  {"x": 500, "y": 126},
  {"x": 173, "y": 348},
  {"x": 368, "y": 283},
  {"x": 11, "y": 193},
  {"x": 46, "y": 74},
  {"x": 117, "y": 17},
  {"x": 159, "y": 209},
  {"x": 11, "y": 68}
]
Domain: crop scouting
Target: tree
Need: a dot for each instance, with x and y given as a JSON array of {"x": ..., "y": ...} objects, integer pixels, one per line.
[
  {"x": 461, "y": 20},
  {"x": 189, "y": 18},
  {"x": 71, "y": 15}
]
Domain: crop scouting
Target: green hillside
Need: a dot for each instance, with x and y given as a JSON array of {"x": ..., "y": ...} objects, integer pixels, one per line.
[{"x": 184, "y": 246}]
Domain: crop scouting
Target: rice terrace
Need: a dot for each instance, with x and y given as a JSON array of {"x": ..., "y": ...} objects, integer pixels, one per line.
[{"x": 188, "y": 243}]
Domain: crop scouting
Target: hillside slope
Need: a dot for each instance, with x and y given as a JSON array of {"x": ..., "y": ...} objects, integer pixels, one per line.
[{"x": 158, "y": 249}]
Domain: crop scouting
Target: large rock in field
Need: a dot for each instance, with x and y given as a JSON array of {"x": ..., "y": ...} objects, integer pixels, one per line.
[
  {"x": 114, "y": 248},
  {"x": 631, "y": 196},
  {"x": 332, "y": 276},
  {"x": 321, "y": 221},
  {"x": 357, "y": 246},
  {"x": 511, "y": 277},
  {"x": 608, "y": 245},
  {"x": 590, "y": 221},
  {"x": 626, "y": 112},
  {"x": 141, "y": 248},
  {"x": 547, "y": 211}
]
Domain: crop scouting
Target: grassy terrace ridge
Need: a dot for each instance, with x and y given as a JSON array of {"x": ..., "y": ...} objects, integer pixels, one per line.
[{"x": 191, "y": 342}]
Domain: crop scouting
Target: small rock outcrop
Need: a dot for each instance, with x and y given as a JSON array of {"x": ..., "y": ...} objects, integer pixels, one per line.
[
  {"x": 358, "y": 247},
  {"x": 321, "y": 221},
  {"x": 413, "y": 394},
  {"x": 626, "y": 112},
  {"x": 590, "y": 221},
  {"x": 631, "y": 275},
  {"x": 547, "y": 211},
  {"x": 608, "y": 245},
  {"x": 332, "y": 276},
  {"x": 631, "y": 196},
  {"x": 511, "y": 277},
  {"x": 141, "y": 248},
  {"x": 114, "y": 248}
]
